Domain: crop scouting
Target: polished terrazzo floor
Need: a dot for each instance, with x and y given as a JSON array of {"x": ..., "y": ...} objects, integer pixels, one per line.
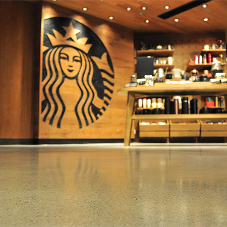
[{"x": 112, "y": 185}]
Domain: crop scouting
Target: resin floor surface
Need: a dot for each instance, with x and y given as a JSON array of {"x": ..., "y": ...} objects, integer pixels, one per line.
[{"x": 112, "y": 185}]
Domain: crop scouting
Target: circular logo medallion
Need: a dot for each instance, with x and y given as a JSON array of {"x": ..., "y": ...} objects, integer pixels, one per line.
[{"x": 77, "y": 76}]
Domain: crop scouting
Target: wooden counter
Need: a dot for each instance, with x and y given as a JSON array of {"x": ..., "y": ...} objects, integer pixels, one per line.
[{"x": 161, "y": 90}]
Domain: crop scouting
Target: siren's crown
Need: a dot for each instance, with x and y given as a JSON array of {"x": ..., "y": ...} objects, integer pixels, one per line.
[{"x": 69, "y": 39}]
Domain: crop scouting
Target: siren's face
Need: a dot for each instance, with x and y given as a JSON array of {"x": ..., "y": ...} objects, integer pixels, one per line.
[{"x": 70, "y": 61}]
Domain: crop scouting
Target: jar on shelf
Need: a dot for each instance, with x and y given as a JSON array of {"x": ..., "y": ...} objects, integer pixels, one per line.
[{"x": 216, "y": 68}]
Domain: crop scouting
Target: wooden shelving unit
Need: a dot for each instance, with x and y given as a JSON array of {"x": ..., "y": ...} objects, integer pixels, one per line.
[{"x": 162, "y": 90}]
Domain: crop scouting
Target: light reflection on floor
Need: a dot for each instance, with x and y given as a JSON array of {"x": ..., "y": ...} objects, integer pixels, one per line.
[{"x": 113, "y": 185}]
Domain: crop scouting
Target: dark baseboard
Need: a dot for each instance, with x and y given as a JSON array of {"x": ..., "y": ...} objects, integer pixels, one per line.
[
  {"x": 56, "y": 141},
  {"x": 16, "y": 141},
  {"x": 88, "y": 141}
]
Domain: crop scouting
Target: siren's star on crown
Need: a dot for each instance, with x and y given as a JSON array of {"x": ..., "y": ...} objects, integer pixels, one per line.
[{"x": 69, "y": 39}]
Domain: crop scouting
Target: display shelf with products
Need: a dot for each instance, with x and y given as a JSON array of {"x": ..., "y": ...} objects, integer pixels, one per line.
[
  {"x": 196, "y": 88},
  {"x": 203, "y": 66},
  {"x": 213, "y": 128},
  {"x": 185, "y": 128},
  {"x": 154, "y": 128},
  {"x": 163, "y": 53}
]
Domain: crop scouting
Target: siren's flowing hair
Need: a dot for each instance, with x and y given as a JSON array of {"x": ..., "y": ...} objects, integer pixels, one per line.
[{"x": 55, "y": 108}]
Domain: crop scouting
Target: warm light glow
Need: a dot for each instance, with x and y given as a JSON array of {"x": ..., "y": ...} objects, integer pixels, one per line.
[
  {"x": 205, "y": 19},
  {"x": 128, "y": 8},
  {"x": 111, "y": 17},
  {"x": 85, "y": 9},
  {"x": 176, "y": 20},
  {"x": 144, "y": 8},
  {"x": 166, "y": 7},
  {"x": 147, "y": 21},
  {"x": 204, "y": 5}
]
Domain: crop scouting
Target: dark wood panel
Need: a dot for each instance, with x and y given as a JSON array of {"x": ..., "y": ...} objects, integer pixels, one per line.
[{"x": 17, "y": 50}]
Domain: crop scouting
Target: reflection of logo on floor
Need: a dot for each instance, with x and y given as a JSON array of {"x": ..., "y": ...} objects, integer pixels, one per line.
[{"x": 77, "y": 80}]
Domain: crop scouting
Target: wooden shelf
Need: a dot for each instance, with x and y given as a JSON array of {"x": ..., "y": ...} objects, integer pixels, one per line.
[
  {"x": 163, "y": 89},
  {"x": 164, "y": 66},
  {"x": 201, "y": 67},
  {"x": 179, "y": 116},
  {"x": 155, "y": 53},
  {"x": 214, "y": 51}
]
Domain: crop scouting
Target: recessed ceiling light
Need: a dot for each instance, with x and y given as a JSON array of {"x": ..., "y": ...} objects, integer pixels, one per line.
[
  {"x": 128, "y": 8},
  {"x": 205, "y": 19},
  {"x": 166, "y": 7},
  {"x": 176, "y": 20},
  {"x": 147, "y": 21},
  {"x": 144, "y": 8},
  {"x": 54, "y": 0},
  {"x": 141, "y": 14},
  {"x": 111, "y": 17},
  {"x": 204, "y": 5},
  {"x": 85, "y": 9}
]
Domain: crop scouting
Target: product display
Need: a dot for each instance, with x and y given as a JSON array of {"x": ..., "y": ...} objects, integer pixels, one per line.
[
  {"x": 194, "y": 106},
  {"x": 185, "y": 105},
  {"x": 167, "y": 106}
]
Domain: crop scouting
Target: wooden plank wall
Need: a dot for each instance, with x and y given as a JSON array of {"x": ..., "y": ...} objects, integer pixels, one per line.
[
  {"x": 17, "y": 51},
  {"x": 120, "y": 45}
]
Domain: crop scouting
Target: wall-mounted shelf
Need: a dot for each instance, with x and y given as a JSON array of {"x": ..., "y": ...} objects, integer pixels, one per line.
[
  {"x": 155, "y": 53},
  {"x": 201, "y": 67},
  {"x": 214, "y": 51},
  {"x": 164, "y": 66}
]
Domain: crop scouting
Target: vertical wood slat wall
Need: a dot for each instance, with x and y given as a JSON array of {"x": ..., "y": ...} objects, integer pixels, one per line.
[{"x": 17, "y": 64}]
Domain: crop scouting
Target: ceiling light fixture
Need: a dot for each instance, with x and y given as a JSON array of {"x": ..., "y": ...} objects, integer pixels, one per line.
[
  {"x": 128, "y": 8},
  {"x": 147, "y": 21},
  {"x": 85, "y": 9},
  {"x": 144, "y": 8},
  {"x": 111, "y": 17},
  {"x": 166, "y": 7},
  {"x": 205, "y": 19},
  {"x": 176, "y": 20},
  {"x": 204, "y": 5}
]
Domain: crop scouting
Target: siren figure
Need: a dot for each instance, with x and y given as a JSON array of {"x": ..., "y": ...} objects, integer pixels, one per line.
[{"x": 68, "y": 91}]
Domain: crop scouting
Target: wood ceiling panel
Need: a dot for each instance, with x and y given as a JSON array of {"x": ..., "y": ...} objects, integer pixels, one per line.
[{"x": 190, "y": 21}]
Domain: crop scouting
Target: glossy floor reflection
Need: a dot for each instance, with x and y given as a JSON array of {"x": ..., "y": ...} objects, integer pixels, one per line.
[{"x": 113, "y": 185}]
